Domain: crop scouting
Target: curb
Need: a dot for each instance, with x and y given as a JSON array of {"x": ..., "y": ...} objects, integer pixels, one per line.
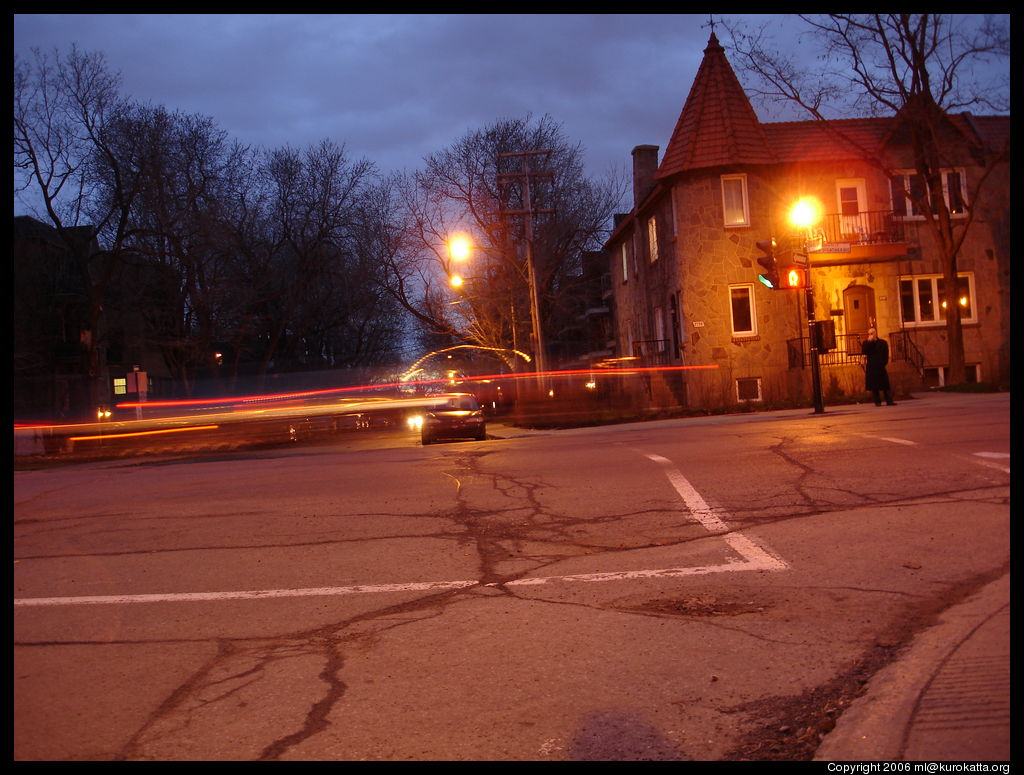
[{"x": 897, "y": 717}]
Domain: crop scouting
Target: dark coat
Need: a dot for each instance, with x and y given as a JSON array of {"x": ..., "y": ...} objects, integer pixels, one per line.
[{"x": 875, "y": 375}]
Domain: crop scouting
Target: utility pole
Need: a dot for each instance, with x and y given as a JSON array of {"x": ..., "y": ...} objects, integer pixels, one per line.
[{"x": 525, "y": 177}]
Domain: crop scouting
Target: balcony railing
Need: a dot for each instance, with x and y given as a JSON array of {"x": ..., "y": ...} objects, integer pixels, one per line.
[{"x": 876, "y": 227}]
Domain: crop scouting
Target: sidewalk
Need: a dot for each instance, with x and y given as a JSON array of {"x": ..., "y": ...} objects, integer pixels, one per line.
[
  {"x": 500, "y": 430},
  {"x": 946, "y": 699}
]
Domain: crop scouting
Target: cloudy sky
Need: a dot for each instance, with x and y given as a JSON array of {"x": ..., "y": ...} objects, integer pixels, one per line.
[{"x": 394, "y": 88}]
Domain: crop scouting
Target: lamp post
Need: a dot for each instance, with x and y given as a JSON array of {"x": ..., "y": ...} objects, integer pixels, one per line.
[{"x": 804, "y": 214}]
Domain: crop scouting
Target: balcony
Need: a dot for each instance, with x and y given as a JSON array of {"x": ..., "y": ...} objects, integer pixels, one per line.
[{"x": 869, "y": 236}]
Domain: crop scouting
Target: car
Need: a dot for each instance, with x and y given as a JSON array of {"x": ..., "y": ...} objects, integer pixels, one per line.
[{"x": 453, "y": 416}]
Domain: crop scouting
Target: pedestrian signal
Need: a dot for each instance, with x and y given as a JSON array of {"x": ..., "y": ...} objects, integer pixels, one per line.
[{"x": 793, "y": 277}]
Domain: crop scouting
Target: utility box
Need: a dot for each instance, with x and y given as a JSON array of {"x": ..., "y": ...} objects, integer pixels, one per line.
[{"x": 825, "y": 331}]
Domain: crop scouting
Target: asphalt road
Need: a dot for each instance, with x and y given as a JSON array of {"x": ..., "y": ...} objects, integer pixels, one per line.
[{"x": 670, "y": 590}]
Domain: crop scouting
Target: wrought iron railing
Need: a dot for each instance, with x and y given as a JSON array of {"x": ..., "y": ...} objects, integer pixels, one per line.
[
  {"x": 902, "y": 348},
  {"x": 653, "y": 352},
  {"x": 847, "y": 351},
  {"x": 875, "y": 227}
]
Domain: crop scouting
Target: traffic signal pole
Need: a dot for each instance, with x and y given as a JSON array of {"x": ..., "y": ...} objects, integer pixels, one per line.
[
  {"x": 793, "y": 276},
  {"x": 814, "y": 343}
]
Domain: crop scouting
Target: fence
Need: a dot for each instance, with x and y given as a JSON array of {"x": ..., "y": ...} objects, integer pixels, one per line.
[
  {"x": 654, "y": 352},
  {"x": 847, "y": 351},
  {"x": 867, "y": 228}
]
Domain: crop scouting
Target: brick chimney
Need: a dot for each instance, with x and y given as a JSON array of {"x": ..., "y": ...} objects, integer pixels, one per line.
[{"x": 645, "y": 164}]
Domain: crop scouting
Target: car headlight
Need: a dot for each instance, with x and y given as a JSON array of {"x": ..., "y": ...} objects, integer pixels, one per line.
[{"x": 415, "y": 422}]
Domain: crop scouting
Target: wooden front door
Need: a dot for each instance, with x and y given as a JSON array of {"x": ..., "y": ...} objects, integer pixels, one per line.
[{"x": 858, "y": 313}]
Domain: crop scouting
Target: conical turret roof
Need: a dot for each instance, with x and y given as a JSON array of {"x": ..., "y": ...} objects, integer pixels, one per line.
[{"x": 718, "y": 125}]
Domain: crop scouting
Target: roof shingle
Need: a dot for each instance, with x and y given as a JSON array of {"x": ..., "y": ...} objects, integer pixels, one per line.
[{"x": 717, "y": 124}]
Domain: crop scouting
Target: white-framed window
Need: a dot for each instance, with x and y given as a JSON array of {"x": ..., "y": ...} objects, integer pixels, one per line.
[
  {"x": 922, "y": 300},
  {"x": 120, "y": 386},
  {"x": 741, "y": 307},
  {"x": 851, "y": 197},
  {"x": 652, "y": 239},
  {"x": 636, "y": 250},
  {"x": 735, "y": 207},
  {"x": 908, "y": 188},
  {"x": 748, "y": 389},
  {"x": 625, "y": 263},
  {"x": 678, "y": 332},
  {"x": 935, "y": 376}
]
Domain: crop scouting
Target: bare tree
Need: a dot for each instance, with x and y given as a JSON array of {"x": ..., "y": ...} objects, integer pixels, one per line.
[
  {"x": 181, "y": 226},
  {"x": 920, "y": 68},
  {"x": 317, "y": 298},
  {"x": 71, "y": 169},
  {"x": 460, "y": 191}
]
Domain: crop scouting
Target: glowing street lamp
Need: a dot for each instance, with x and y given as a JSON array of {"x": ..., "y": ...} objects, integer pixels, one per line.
[
  {"x": 805, "y": 213},
  {"x": 459, "y": 248}
]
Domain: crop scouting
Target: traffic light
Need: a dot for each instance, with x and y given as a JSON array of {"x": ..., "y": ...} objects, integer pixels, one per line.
[
  {"x": 770, "y": 277},
  {"x": 793, "y": 277}
]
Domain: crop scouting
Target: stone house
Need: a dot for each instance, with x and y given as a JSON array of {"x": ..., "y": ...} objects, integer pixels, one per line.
[{"x": 684, "y": 270}]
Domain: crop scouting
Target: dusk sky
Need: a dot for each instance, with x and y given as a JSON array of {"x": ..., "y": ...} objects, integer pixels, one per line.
[{"x": 396, "y": 87}]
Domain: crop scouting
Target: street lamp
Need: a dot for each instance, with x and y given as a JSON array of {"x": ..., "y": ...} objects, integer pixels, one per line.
[
  {"x": 804, "y": 214},
  {"x": 459, "y": 250},
  {"x": 459, "y": 247}
]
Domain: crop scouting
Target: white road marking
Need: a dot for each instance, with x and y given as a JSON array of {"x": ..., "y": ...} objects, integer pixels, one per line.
[
  {"x": 898, "y": 441},
  {"x": 255, "y": 594},
  {"x": 997, "y": 455},
  {"x": 754, "y": 558},
  {"x": 993, "y": 455},
  {"x": 694, "y": 502}
]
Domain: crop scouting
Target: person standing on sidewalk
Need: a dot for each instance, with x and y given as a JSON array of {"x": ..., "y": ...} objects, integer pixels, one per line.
[{"x": 876, "y": 357}]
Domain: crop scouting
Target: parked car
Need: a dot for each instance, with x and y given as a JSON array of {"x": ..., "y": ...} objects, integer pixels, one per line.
[{"x": 453, "y": 416}]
